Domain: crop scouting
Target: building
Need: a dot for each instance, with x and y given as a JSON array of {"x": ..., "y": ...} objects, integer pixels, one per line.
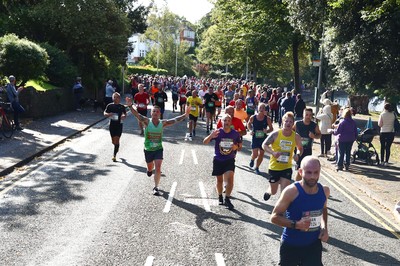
[{"x": 141, "y": 46}]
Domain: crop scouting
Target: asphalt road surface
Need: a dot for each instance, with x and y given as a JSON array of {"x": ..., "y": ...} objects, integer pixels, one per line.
[{"x": 74, "y": 206}]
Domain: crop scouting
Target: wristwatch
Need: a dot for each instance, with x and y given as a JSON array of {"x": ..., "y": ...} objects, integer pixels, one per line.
[{"x": 293, "y": 224}]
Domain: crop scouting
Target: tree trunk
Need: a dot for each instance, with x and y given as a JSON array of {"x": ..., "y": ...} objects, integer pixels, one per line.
[{"x": 295, "y": 51}]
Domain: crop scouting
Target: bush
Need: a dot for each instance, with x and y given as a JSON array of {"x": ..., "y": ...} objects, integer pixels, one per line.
[
  {"x": 145, "y": 70},
  {"x": 22, "y": 58},
  {"x": 60, "y": 69}
]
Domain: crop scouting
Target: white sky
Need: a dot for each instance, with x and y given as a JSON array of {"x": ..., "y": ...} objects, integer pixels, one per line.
[{"x": 192, "y": 10}]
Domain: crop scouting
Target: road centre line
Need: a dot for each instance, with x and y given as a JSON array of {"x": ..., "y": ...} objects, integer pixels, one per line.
[
  {"x": 220, "y": 259},
  {"x": 330, "y": 179},
  {"x": 204, "y": 197},
  {"x": 194, "y": 157},
  {"x": 149, "y": 261},
  {"x": 181, "y": 159},
  {"x": 170, "y": 198}
]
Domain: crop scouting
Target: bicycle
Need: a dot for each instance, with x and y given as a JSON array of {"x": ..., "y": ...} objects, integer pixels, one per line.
[{"x": 7, "y": 126}]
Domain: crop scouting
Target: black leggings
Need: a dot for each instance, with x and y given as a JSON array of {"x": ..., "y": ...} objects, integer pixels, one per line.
[
  {"x": 386, "y": 140},
  {"x": 326, "y": 143}
]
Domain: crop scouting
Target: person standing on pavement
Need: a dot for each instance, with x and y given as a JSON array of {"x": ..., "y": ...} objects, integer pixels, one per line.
[
  {"x": 386, "y": 137},
  {"x": 325, "y": 117},
  {"x": 109, "y": 92},
  {"x": 13, "y": 97},
  {"x": 142, "y": 99},
  {"x": 302, "y": 211},
  {"x": 299, "y": 107},
  {"x": 227, "y": 143},
  {"x": 77, "y": 90},
  {"x": 117, "y": 114},
  {"x": 153, "y": 135},
  {"x": 259, "y": 126},
  {"x": 281, "y": 144},
  {"x": 347, "y": 134},
  {"x": 308, "y": 130},
  {"x": 194, "y": 103}
]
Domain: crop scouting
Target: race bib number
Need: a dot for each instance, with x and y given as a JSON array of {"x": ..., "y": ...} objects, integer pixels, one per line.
[
  {"x": 225, "y": 146},
  {"x": 285, "y": 145},
  {"x": 250, "y": 104},
  {"x": 210, "y": 104},
  {"x": 183, "y": 96},
  {"x": 259, "y": 134},
  {"x": 284, "y": 157},
  {"x": 142, "y": 105},
  {"x": 315, "y": 217},
  {"x": 160, "y": 100},
  {"x": 114, "y": 117},
  {"x": 305, "y": 142},
  {"x": 193, "y": 108}
]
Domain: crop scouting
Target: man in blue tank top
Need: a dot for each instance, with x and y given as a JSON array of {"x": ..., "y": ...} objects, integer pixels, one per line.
[{"x": 302, "y": 211}]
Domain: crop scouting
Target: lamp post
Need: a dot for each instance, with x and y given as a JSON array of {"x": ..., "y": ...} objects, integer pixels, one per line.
[
  {"x": 176, "y": 54},
  {"x": 158, "y": 48}
]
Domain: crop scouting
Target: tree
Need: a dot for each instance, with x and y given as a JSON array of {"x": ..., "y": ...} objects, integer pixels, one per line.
[{"x": 21, "y": 58}]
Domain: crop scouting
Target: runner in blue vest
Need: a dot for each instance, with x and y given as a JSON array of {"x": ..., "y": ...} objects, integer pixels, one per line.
[{"x": 302, "y": 211}]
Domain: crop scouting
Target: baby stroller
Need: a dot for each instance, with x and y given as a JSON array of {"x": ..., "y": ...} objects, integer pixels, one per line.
[{"x": 365, "y": 151}]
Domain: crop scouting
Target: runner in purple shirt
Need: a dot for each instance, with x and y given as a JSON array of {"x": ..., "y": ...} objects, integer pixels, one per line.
[{"x": 227, "y": 143}]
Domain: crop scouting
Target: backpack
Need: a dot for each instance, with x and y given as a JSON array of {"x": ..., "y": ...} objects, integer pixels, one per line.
[{"x": 396, "y": 124}]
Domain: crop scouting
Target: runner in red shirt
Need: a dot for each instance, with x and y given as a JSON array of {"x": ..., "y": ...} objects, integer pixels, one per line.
[
  {"x": 142, "y": 99},
  {"x": 182, "y": 97}
]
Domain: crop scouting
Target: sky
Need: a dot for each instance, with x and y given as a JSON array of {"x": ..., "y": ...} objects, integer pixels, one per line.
[{"x": 192, "y": 10}]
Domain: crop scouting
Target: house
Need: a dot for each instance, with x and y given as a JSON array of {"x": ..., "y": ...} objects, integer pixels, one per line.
[{"x": 141, "y": 46}]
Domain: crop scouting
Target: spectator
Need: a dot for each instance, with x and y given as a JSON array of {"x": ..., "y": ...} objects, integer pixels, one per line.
[
  {"x": 109, "y": 91},
  {"x": 386, "y": 123},
  {"x": 347, "y": 134},
  {"x": 299, "y": 107},
  {"x": 325, "y": 116},
  {"x": 78, "y": 92},
  {"x": 13, "y": 97}
]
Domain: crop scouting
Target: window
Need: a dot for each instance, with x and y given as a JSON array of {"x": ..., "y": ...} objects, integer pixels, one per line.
[{"x": 142, "y": 53}]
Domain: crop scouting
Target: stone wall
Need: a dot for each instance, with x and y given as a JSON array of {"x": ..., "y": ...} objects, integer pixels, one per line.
[{"x": 46, "y": 103}]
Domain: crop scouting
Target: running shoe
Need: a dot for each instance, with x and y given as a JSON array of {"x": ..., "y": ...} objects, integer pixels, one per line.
[
  {"x": 220, "y": 200},
  {"x": 228, "y": 203},
  {"x": 149, "y": 173},
  {"x": 114, "y": 159},
  {"x": 156, "y": 192},
  {"x": 266, "y": 196},
  {"x": 257, "y": 171},
  {"x": 251, "y": 164}
]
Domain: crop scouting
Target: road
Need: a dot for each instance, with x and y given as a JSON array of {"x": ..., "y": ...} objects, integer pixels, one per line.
[{"x": 74, "y": 206}]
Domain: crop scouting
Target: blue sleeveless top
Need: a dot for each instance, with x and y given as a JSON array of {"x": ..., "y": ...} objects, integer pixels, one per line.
[{"x": 305, "y": 205}]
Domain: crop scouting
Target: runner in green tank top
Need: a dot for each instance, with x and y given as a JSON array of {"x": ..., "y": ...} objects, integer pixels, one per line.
[{"x": 153, "y": 133}]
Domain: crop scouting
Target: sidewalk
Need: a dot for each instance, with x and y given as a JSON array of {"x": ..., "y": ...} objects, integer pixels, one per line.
[
  {"x": 382, "y": 184},
  {"x": 42, "y": 135}
]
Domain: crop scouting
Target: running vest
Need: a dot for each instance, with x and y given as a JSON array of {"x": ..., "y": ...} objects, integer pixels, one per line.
[
  {"x": 303, "y": 130},
  {"x": 286, "y": 146},
  {"x": 258, "y": 127},
  {"x": 153, "y": 137},
  {"x": 311, "y": 205}
]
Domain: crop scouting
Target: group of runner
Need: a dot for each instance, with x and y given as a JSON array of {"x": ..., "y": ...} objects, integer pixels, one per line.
[{"x": 301, "y": 208}]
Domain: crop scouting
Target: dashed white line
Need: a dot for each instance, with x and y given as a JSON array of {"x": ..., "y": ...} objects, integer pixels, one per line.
[
  {"x": 220, "y": 259},
  {"x": 194, "y": 157},
  {"x": 170, "y": 198},
  {"x": 204, "y": 197},
  {"x": 182, "y": 155},
  {"x": 149, "y": 261}
]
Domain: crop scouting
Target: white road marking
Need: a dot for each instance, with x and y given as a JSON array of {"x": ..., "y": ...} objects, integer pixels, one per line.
[
  {"x": 170, "y": 198},
  {"x": 181, "y": 159},
  {"x": 204, "y": 197},
  {"x": 220, "y": 259},
  {"x": 149, "y": 261},
  {"x": 194, "y": 157}
]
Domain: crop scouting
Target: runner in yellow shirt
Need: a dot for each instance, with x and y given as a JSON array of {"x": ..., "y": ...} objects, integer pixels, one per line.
[{"x": 193, "y": 102}]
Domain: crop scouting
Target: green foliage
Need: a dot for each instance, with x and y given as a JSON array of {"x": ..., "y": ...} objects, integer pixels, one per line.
[
  {"x": 40, "y": 85},
  {"x": 22, "y": 58},
  {"x": 61, "y": 69},
  {"x": 145, "y": 70}
]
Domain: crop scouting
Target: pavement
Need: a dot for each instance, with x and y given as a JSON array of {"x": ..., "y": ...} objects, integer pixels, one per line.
[{"x": 382, "y": 184}]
